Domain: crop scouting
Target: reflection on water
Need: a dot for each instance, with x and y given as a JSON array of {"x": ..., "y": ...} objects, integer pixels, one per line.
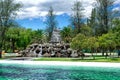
[{"x": 42, "y": 72}]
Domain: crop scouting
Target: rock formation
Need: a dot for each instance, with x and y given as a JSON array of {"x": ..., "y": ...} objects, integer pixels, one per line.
[{"x": 55, "y": 48}]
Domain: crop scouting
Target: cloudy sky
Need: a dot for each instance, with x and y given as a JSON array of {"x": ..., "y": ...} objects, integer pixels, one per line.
[{"x": 33, "y": 13}]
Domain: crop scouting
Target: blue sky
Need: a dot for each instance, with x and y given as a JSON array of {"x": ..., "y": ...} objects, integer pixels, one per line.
[
  {"x": 33, "y": 13},
  {"x": 38, "y": 23}
]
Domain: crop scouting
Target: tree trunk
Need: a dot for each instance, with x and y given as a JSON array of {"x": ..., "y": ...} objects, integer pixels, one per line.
[
  {"x": 82, "y": 55},
  {"x": 13, "y": 45},
  {"x": 106, "y": 55},
  {"x": 96, "y": 52},
  {"x": 110, "y": 51},
  {"x": 92, "y": 53},
  {"x": 93, "y": 56},
  {"x": 118, "y": 53},
  {"x": 103, "y": 51},
  {"x": 1, "y": 45},
  {"x": 0, "y": 53}
]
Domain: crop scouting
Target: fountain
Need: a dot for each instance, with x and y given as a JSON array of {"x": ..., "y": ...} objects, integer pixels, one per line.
[
  {"x": 55, "y": 48},
  {"x": 56, "y": 38}
]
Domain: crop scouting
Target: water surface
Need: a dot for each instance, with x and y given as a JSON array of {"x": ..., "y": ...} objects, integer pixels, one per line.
[{"x": 47, "y": 72}]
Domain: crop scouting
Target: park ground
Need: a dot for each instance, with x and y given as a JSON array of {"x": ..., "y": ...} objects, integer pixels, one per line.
[{"x": 97, "y": 58}]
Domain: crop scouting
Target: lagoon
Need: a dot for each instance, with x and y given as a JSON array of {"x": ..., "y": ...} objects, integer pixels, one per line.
[{"x": 32, "y": 71}]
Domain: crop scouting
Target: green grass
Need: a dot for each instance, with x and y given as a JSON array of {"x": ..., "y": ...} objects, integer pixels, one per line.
[
  {"x": 1, "y": 58},
  {"x": 7, "y": 57},
  {"x": 52, "y": 59},
  {"x": 97, "y": 59}
]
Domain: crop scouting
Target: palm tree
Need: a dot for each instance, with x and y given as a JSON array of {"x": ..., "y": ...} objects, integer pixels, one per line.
[
  {"x": 38, "y": 36},
  {"x": 67, "y": 34}
]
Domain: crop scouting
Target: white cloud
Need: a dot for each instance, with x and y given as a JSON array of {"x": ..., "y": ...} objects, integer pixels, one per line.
[
  {"x": 117, "y": 2},
  {"x": 38, "y": 8},
  {"x": 116, "y": 9}
]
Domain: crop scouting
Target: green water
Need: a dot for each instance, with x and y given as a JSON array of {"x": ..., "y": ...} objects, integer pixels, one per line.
[{"x": 46, "y": 72}]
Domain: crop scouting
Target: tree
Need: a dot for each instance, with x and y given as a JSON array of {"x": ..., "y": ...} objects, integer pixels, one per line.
[
  {"x": 26, "y": 36},
  {"x": 12, "y": 35},
  {"x": 67, "y": 34},
  {"x": 86, "y": 30},
  {"x": 78, "y": 43},
  {"x": 116, "y": 31},
  {"x": 51, "y": 23},
  {"x": 107, "y": 42},
  {"x": 104, "y": 15},
  {"x": 77, "y": 15},
  {"x": 92, "y": 22},
  {"x": 17, "y": 38},
  {"x": 8, "y": 9},
  {"x": 38, "y": 36},
  {"x": 92, "y": 44}
]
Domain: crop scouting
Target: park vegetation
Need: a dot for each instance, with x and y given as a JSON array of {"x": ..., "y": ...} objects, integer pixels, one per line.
[{"x": 99, "y": 33}]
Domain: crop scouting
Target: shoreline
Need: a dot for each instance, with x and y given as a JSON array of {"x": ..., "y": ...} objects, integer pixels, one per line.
[{"x": 63, "y": 63}]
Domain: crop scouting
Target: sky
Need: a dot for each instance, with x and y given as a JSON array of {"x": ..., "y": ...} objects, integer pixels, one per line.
[{"x": 33, "y": 13}]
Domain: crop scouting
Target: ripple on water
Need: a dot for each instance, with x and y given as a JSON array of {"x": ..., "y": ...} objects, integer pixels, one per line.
[{"x": 43, "y": 72}]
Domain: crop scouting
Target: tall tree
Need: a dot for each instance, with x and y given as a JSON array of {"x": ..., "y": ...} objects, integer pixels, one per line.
[
  {"x": 51, "y": 22},
  {"x": 116, "y": 31},
  {"x": 92, "y": 21},
  {"x": 86, "y": 30},
  {"x": 104, "y": 11},
  {"x": 77, "y": 15},
  {"x": 8, "y": 9}
]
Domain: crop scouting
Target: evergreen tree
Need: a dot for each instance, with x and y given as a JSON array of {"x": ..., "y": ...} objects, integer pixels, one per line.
[
  {"x": 77, "y": 15},
  {"x": 93, "y": 21},
  {"x": 104, "y": 15},
  {"x": 51, "y": 23}
]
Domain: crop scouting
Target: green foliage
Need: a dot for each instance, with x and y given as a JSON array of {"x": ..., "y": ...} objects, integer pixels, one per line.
[
  {"x": 77, "y": 16},
  {"x": 51, "y": 23},
  {"x": 102, "y": 16},
  {"x": 39, "y": 36},
  {"x": 107, "y": 40},
  {"x": 92, "y": 21},
  {"x": 99, "y": 25},
  {"x": 78, "y": 42},
  {"x": 67, "y": 34},
  {"x": 19, "y": 38},
  {"x": 116, "y": 31},
  {"x": 25, "y": 37},
  {"x": 92, "y": 43},
  {"x": 13, "y": 33},
  {"x": 81, "y": 42},
  {"x": 86, "y": 30},
  {"x": 8, "y": 12}
]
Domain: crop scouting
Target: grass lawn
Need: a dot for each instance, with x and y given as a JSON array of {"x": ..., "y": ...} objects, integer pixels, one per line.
[
  {"x": 1, "y": 59},
  {"x": 98, "y": 59}
]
